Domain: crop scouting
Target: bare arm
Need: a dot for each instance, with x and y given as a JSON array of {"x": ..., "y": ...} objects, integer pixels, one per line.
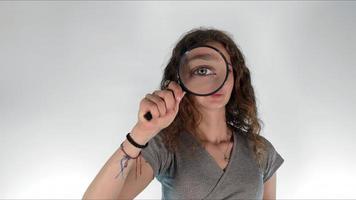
[
  {"x": 113, "y": 182},
  {"x": 132, "y": 186},
  {"x": 270, "y": 187}
]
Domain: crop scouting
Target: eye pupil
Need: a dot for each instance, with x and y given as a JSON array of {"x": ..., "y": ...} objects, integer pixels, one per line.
[{"x": 202, "y": 71}]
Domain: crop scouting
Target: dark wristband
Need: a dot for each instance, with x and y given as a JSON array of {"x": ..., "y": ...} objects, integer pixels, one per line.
[{"x": 129, "y": 138}]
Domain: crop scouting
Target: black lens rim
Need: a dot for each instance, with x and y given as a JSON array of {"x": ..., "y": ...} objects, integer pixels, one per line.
[{"x": 180, "y": 82}]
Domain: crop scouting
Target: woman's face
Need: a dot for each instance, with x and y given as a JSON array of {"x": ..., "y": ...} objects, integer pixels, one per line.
[{"x": 219, "y": 99}]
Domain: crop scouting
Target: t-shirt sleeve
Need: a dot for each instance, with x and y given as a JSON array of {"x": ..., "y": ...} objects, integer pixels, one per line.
[
  {"x": 157, "y": 156},
  {"x": 273, "y": 160}
]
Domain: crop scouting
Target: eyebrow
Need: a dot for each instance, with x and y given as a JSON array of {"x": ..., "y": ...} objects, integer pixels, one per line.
[
  {"x": 203, "y": 57},
  {"x": 206, "y": 57}
]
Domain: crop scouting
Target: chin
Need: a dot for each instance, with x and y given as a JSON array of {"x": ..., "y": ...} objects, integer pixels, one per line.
[
  {"x": 214, "y": 105},
  {"x": 209, "y": 102}
]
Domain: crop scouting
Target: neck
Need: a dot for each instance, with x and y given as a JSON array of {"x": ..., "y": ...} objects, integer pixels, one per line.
[{"x": 213, "y": 127}]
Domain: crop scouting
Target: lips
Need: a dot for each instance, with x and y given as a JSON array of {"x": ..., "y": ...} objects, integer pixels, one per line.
[{"x": 217, "y": 95}]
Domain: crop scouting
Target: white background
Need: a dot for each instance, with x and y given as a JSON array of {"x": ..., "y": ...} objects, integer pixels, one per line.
[{"x": 72, "y": 75}]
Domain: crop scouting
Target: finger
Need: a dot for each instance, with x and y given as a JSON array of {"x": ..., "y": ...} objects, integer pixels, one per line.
[
  {"x": 178, "y": 102},
  {"x": 177, "y": 90},
  {"x": 168, "y": 98},
  {"x": 166, "y": 83},
  {"x": 160, "y": 103},
  {"x": 150, "y": 106}
]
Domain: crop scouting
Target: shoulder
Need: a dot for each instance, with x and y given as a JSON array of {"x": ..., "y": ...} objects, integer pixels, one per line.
[
  {"x": 263, "y": 147},
  {"x": 272, "y": 160},
  {"x": 266, "y": 149},
  {"x": 268, "y": 146},
  {"x": 262, "y": 143}
]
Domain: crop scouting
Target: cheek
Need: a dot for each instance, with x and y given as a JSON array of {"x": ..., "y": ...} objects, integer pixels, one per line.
[{"x": 230, "y": 81}]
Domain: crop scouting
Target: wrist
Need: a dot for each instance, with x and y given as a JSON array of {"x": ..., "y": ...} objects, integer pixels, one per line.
[{"x": 140, "y": 136}]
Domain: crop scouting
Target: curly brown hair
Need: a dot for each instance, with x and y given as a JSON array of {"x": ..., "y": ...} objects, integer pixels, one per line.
[{"x": 241, "y": 110}]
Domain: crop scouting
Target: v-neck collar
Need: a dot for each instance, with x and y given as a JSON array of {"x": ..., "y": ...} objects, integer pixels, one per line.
[
  {"x": 211, "y": 159},
  {"x": 216, "y": 175}
]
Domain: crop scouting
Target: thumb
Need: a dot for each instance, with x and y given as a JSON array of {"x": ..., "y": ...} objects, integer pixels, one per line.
[{"x": 180, "y": 99}]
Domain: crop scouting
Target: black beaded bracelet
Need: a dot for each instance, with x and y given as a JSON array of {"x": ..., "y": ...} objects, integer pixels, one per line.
[{"x": 129, "y": 138}]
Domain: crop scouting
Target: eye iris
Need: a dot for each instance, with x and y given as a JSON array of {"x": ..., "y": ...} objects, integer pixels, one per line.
[{"x": 202, "y": 71}]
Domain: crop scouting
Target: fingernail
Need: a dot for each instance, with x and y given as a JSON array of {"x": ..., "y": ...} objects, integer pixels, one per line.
[
  {"x": 166, "y": 83},
  {"x": 180, "y": 98}
]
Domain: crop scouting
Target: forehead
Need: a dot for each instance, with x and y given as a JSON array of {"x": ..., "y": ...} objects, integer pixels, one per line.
[
  {"x": 221, "y": 48},
  {"x": 203, "y": 53}
]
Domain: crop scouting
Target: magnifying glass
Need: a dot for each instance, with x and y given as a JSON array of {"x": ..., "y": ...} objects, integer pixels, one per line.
[{"x": 202, "y": 71}]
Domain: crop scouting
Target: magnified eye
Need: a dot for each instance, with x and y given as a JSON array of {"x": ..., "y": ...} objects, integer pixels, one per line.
[{"x": 203, "y": 71}]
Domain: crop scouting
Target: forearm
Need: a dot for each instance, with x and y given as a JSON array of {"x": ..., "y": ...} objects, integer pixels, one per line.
[{"x": 109, "y": 182}]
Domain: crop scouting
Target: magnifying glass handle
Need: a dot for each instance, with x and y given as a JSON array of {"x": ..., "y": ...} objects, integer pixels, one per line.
[{"x": 148, "y": 116}]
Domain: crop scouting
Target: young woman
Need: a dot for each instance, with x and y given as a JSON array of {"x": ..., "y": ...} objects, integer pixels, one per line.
[{"x": 198, "y": 147}]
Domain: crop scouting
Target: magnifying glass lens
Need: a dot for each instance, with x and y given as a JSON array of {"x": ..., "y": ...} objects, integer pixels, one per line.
[{"x": 202, "y": 70}]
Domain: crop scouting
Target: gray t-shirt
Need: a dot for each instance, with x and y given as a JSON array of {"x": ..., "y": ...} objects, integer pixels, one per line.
[{"x": 183, "y": 176}]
